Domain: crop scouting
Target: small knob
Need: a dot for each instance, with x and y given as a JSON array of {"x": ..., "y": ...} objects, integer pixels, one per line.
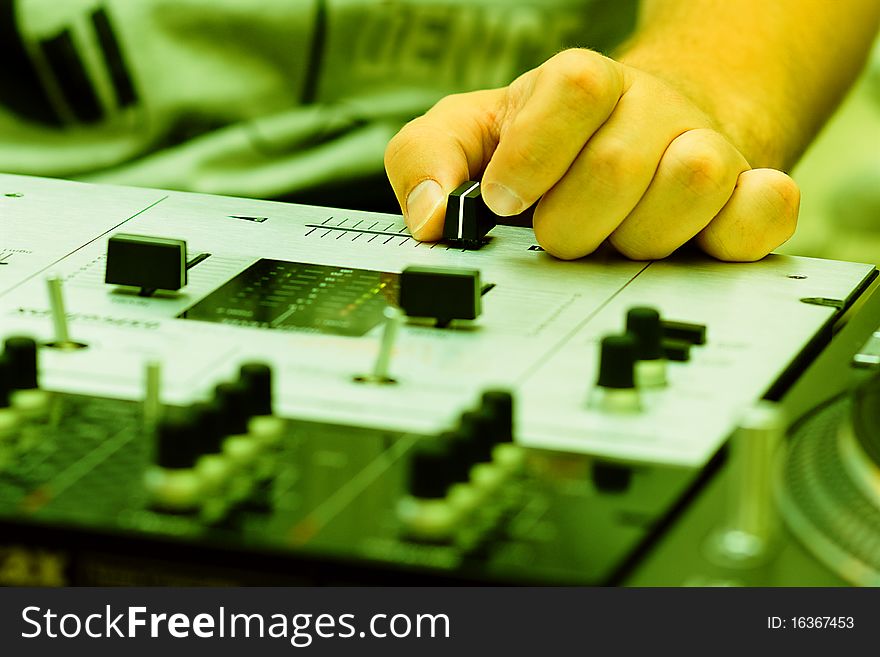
[
  {"x": 21, "y": 353},
  {"x": 459, "y": 455},
  {"x": 257, "y": 380},
  {"x": 175, "y": 439},
  {"x": 644, "y": 324},
  {"x": 232, "y": 400},
  {"x": 430, "y": 472},
  {"x": 497, "y": 405},
  {"x": 5, "y": 381},
  {"x": 209, "y": 426},
  {"x": 474, "y": 427},
  {"x": 617, "y": 360}
]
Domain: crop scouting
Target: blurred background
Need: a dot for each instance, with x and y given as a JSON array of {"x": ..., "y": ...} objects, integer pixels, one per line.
[
  {"x": 296, "y": 100},
  {"x": 840, "y": 179}
]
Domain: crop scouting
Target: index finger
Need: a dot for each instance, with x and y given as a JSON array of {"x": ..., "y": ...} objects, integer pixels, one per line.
[
  {"x": 555, "y": 109},
  {"x": 435, "y": 153}
]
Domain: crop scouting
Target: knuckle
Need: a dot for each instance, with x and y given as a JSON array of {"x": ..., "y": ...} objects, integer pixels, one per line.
[
  {"x": 702, "y": 169},
  {"x": 585, "y": 83},
  {"x": 613, "y": 163}
]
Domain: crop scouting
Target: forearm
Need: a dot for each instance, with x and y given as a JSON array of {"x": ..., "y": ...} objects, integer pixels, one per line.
[{"x": 768, "y": 72}]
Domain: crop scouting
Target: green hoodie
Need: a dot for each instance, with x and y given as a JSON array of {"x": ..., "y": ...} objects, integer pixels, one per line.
[{"x": 256, "y": 98}]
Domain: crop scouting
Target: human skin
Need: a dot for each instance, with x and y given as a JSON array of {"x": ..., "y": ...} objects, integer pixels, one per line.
[{"x": 683, "y": 136}]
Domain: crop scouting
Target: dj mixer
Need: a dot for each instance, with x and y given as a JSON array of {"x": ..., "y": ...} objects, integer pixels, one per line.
[{"x": 209, "y": 390}]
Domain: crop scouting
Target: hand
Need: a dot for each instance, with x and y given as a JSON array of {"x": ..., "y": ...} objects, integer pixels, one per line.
[{"x": 612, "y": 153}]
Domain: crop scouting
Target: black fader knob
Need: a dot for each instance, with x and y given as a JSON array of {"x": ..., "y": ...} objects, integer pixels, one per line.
[
  {"x": 444, "y": 293},
  {"x": 150, "y": 263},
  {"x": 644, "y": 324},
  {"x": 257, "y": 380},
  {"x": 617, "y": 362},
  {"x": 21, "y": 353},
  {"x": 467, "y": 217}
]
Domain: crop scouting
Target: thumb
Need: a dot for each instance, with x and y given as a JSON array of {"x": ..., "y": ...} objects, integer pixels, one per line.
[{"x": 437, "y": 152}]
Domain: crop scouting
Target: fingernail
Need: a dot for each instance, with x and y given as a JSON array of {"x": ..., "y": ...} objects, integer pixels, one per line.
[
  {"x": 421, "y": 204},
  {"x": 502, "y": 200}
]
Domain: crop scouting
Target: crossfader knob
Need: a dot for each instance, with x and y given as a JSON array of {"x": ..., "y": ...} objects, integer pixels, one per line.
[{"x": 467, "y": 217}]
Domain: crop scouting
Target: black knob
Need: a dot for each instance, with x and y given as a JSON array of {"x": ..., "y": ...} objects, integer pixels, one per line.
[
  {"x": 459, "y": 455},
  {"x": 5, "y": 381},
  {"x": 467, "y": 217},
  {"x": 430, "y": 470},
  {"x": 176, "y": 439},
  {"x": 474, "y": 427},
  {"x": 644, "y": 324},
  {"x": 22, "y": 355},
  {"x": 617, "y": 359},
  {"x": 257, "y": 380},
  {"x": 209, "y": 426},
  {"x": 232, "y": 399},
  {"x": 497, "y": 405}
]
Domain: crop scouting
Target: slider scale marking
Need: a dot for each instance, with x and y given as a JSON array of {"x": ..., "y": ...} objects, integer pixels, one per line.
[{"x": 352, "y": 230}]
